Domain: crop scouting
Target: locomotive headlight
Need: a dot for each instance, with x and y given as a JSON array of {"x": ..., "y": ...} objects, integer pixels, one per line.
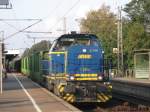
[
  {"x": 71, "y": 77},
  {"x": 100, "y": 77}
]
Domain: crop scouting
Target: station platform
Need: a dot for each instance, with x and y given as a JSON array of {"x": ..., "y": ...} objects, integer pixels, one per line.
[
  {"x": 20, "y": 94},
  {"x": 136, "y": 88}
]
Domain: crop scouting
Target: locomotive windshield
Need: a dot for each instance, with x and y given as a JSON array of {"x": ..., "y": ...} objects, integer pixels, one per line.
[{"x": 63, "y": 43}]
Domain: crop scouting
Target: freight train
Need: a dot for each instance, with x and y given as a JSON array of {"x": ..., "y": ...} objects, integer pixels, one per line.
[
  {"x": 72, "y": 67},
  {"x": 14, "y": 65},
  {"x": 34, "y": 61}
]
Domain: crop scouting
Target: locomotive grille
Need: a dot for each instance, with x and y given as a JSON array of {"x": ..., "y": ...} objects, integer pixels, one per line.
[{"x": 86, "y": 93}]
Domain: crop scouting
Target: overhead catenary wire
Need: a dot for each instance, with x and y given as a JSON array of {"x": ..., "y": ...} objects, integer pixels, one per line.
[
  {"x": 15, "y": 29},
  {"x": 19, "y": 19},
  {"x": 10, "y": 25},
  {"x": 68, "y": 11},
  {"x": 20, "y": 25},
  {"x": 36, "y": 32},
  {"x": 22, "y": 30},
  {"x": 40, "y": 20},
  {"x": 55, "y": 8},
  {"x": 25, "y": 31}
]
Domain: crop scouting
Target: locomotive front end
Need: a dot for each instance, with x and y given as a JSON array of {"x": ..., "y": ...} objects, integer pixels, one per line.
[
  {"x": 78, "y": 69},
  {"x": 85, "y": 73}
]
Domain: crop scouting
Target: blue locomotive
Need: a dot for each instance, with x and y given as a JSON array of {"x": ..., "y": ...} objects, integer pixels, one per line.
[{"x": 76, "y": 69}]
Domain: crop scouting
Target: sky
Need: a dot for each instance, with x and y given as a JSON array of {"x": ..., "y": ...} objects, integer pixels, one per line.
[{"x": 52, "y": 13}]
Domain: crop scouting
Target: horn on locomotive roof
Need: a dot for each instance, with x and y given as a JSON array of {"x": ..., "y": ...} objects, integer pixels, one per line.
[{"x": 73, "y": 32}]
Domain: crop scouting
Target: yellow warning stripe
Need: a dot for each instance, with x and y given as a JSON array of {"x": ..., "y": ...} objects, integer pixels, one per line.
[
  {"x": 104, "y": 96},
  {"x": 65, "y": 97},
  {"x": 72, "y": 100},
  {"x": 110, "y": 86},
  {"x": 110, "y": 96},
  {"x": 101, "y": 98},
  {"x": 69, "y": 97},
  {"x": 61, "y": 89}
]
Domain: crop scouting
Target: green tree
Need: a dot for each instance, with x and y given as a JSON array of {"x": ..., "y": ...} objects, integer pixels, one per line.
[
  {"x": 135, "y": 35},
  {"x": 132, "y": 39},
  {"x": 102, "y": 22},
  {"x": 136, "y": 9}
]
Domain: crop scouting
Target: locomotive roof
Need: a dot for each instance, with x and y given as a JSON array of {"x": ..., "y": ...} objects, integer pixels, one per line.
[{"x": 78, "y": 36}]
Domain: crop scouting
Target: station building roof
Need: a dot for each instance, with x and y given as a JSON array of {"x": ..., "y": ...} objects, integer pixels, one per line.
[
  {"x": 142, "y": 51},
  {"x": 13, "y": 52}
]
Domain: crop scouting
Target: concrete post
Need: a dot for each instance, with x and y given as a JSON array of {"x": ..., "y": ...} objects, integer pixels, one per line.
[
  {"x": 149, "y": 65},
  {"x": 1, "y": 68}
]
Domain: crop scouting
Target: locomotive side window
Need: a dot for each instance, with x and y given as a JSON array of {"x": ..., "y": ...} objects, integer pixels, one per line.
[
  {"x": 62, "y": 45},
  {"x": 95, "y": 43},
  {"x": 53, "y": 45}
]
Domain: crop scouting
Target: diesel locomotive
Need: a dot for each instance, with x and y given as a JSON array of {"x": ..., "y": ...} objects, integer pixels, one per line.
[
  {"x": 76, "y": 69},
  {"x": 73, "y": 69}
]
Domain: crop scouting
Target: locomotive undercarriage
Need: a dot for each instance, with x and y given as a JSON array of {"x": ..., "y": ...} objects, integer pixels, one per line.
[
  {"x": 93, "y": 91},
  {"x": 80, "y": 91}
]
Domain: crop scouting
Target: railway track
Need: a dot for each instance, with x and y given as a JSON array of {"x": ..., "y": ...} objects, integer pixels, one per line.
[
  {"x": 132, "y": 99},
  {"x": 115, "y": 105}
]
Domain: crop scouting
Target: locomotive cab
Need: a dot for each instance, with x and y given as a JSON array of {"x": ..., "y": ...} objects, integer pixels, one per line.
[{"x": 76, "y": 68}]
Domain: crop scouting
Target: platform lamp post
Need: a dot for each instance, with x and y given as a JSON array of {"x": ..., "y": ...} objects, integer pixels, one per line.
[
  {"x": 120, "y": 43},
  {"x": 1, "y": 65},
  {"x": 1, "y": 75},
  {"x": 4, "y": 4}
]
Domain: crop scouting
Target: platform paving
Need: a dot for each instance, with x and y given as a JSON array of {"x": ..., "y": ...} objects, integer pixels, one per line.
[{"x": 20, "y": 94}]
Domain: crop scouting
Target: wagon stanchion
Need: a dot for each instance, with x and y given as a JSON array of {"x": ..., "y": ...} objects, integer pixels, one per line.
[{"x": 1, "y": 75}]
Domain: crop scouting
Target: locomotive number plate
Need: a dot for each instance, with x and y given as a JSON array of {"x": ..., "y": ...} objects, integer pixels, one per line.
[{"x": 84, "y": 56}]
